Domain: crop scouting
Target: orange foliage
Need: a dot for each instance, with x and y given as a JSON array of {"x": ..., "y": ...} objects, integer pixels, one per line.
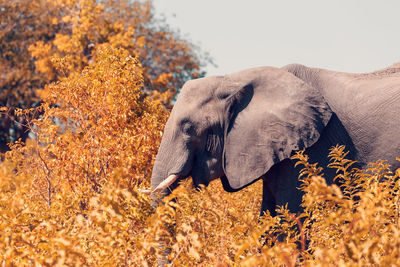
[
  {"x": 34, "y": 35},
  {"x": 95, "y": 124},
  {"x": 356, "y": 228},
  {"x": 94, "y": 142},
  {"x": 167, "y": 60},
  {"x": 22, "y": 23},
  {"x": 69, "y": 195}
]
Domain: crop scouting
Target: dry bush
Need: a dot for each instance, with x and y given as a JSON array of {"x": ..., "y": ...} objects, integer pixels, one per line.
[
  {"x": 357, "y": 225},
  {"x": 70, "y": 191},
  {"x": 69, "y": 195},
  {"x": 35, "y": 35}
]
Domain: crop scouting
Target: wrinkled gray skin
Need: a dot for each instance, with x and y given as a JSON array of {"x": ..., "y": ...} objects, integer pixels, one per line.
[{"x": 245, "y": 126}]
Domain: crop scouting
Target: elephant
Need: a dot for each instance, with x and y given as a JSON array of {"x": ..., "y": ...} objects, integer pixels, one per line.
[{"x": 245, "y": 126}]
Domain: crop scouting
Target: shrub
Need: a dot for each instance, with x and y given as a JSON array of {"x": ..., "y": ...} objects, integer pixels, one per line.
[
  {"x": 70, "y": 190},
  {"x": 69, "y": 195}
]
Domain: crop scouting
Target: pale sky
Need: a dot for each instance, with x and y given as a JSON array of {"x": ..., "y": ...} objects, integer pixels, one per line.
[{"x": 343, "y": 35}]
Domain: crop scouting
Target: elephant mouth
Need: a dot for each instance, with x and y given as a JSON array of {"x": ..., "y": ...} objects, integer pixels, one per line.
[{"x": 167, "y": 181}]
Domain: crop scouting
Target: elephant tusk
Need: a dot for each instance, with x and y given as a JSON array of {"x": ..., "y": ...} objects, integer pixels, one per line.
[
  {"x": 162, "y": 186},
  {"x": 166, "y": 183},
  {"x": 145, "y": 191}
]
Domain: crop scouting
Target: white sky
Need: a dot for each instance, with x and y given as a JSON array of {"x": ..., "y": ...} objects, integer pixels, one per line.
[{"x": 343, "y": 35}]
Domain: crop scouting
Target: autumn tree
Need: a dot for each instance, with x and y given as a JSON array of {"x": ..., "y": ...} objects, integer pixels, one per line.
[
  {"x": 93, "y": 124},
  {"x": 97, "y": 135},
  {"x": 22, "y": 23},
  {"x": 34, "y": 34}
]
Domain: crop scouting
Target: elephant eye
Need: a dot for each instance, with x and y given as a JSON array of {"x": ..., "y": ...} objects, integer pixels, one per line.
[{"x": 188, "y": 128}]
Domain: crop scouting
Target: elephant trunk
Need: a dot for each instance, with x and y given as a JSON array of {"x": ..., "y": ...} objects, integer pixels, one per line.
[{"x": 173, "y": 161}]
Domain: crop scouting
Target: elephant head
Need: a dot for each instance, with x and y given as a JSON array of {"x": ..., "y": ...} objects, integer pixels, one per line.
[{"x": 237, "y": 127}]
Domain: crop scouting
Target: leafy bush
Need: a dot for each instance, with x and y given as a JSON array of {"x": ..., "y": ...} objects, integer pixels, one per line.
[
  {"x": 93, "y": 145},
  {"x": 357, "y": 225},
  {"x": 69, "y": 195},
  {"x": 36, "y": 35}
]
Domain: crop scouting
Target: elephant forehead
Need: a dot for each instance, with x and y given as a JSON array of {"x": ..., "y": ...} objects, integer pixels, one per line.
[{"x": 200, "y": 89}]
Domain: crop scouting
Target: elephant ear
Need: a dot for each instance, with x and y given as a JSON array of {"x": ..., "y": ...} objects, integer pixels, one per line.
[{"x": 270, "y": 114}]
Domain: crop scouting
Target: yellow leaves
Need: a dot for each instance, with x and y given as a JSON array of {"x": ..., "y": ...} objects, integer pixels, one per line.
[
  {"x": 213, "y": 226},
  {"x": 141, "y": 41},
  {"x": 84, "y": 143},
  {"x": 63, "y": 43},
  {"x": 164, "y": 97},
  {"x": 194, "y": 254},
  {"x": 66, "y": 19},
  {"x": 59, "y": 38},
  {"x": 163, "y": 79},
  {"x": 43, "y": 64},
  {"x": 68, "y": 196},
  {"x": 355, "y": 225},
  {"x": 356, "y": 228},
  {"x": 204, "y": 227}
]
